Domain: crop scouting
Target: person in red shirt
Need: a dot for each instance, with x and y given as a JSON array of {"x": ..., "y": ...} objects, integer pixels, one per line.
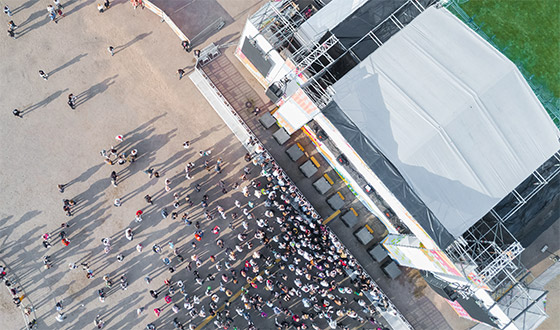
[{"x": 65, "y": 242}]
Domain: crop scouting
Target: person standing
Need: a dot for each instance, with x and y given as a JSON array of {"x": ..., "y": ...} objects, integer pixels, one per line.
[
  {"x": 114, "y": 178},
  {"x": 180, "y": 72},
  {"x": 7, "y": 11},
  {"x": 11, "y": 34},
  {"x": 186, "y": 46},
  {"x": 72, "y": 101},
  {"x": 100, "y": 7},
  {"x": 17, "y": 113},
  {"x": 43, "y": 75},
  {"x": 12, "y": 25},
  {"x": 111, "y": 50}
]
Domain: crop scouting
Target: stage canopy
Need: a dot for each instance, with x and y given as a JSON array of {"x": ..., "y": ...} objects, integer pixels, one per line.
[{"x": 447, "y": 122}]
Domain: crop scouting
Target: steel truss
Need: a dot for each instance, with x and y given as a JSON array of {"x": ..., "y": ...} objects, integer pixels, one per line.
[
  {"x": 523, "y": 305},
  {"x": 523, "y": 193},
  {"x": 492, "y": 252},
  {"x": 317, "y": 87},
  {"x": 278, "y": 21}
]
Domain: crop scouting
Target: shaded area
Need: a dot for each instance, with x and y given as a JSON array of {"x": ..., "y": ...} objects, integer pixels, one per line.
[
  {"x": 389, "y": 174},
  {"x": 420, "y": 311},
  {"x": 193, "y": 16},
  {"x": 76, "y": 59}
]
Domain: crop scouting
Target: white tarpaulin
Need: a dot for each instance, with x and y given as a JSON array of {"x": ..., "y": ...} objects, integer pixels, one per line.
[
  {"x": 453, "y": 115},
  {"x": 328, "y": 17}
]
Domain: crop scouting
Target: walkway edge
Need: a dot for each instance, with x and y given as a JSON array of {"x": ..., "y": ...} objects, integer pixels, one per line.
[{"x": 221, "y": 106}]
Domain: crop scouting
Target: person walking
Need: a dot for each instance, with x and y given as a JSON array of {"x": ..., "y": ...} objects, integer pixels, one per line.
[
  {"x": 52, "y": 16},
  {"x": 58, "y": 4},
  {"x": 11, "y": 34},
  {"x": 180, "y": 72},
  {"x": 17, "y": 113},
  {"x": 60, "y": 13},
  {"x": 100, "y": 7},
  {"x": 7, "y": 11},
  {"x": 72, "y": 101},
  {"x": 52, "y": 13},
  {"x": 98, "y": 322},
  {"x": 12, "y": 25},
  {"x": 60, "y": 317},
  {"x": 148, "y": 199},
  {"x": 111, "y": 50},
  {"x": 43, "y": 75}
]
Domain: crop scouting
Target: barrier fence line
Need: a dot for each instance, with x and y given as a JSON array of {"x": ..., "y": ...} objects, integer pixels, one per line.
[
  {"x": 164, "y": 18},
  {"x": 249, "y": 146},
  {"x": 14, "y": 280}
]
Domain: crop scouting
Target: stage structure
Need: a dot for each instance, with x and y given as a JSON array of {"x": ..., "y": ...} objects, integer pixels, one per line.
[{"x": 436, "y": 125}]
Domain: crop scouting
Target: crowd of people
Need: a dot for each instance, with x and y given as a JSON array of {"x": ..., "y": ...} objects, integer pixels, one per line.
[
  {"x": 276, "y": 260},
  {"x": 287, "y": 266}
]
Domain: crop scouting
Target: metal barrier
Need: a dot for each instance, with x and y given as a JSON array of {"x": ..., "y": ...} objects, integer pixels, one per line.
[
  {"x": 164, "y": 18},
  {"x": 254, "y": 143},
  {"x": 15, "y": 283}
]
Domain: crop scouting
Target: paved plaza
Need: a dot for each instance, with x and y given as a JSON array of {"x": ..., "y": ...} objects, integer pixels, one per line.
[{"x": 136, "y": 94}]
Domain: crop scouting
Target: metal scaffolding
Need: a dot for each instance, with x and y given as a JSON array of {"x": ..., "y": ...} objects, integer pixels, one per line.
[
  {"x": 491, "y": 252},
  {"x": 278, "y": 21},
  {"x": 324, "y": 71},
  {"x": 523, "y": 193}
]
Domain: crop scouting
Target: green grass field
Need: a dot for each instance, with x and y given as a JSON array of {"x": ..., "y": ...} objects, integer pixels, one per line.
[{"x": 530, "y": 29}]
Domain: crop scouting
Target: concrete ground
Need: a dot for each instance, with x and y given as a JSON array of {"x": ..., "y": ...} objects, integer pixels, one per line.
[
  {"x": 538, "y": 262},
  {"x": 135, "y": 93}
]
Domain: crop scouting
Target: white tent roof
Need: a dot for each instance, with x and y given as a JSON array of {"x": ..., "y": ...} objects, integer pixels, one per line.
[
  {"x": 328, "y": 17},
  {"x": 454, "y": 116}
]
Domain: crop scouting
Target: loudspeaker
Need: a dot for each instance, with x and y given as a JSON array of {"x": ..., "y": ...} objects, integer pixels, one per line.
[
  {"x": 274, "y": 92},
  {"x": 342, "y": 159},
  {"x": 452, "y": 294},
  {"x": 321, "y": 136}
]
